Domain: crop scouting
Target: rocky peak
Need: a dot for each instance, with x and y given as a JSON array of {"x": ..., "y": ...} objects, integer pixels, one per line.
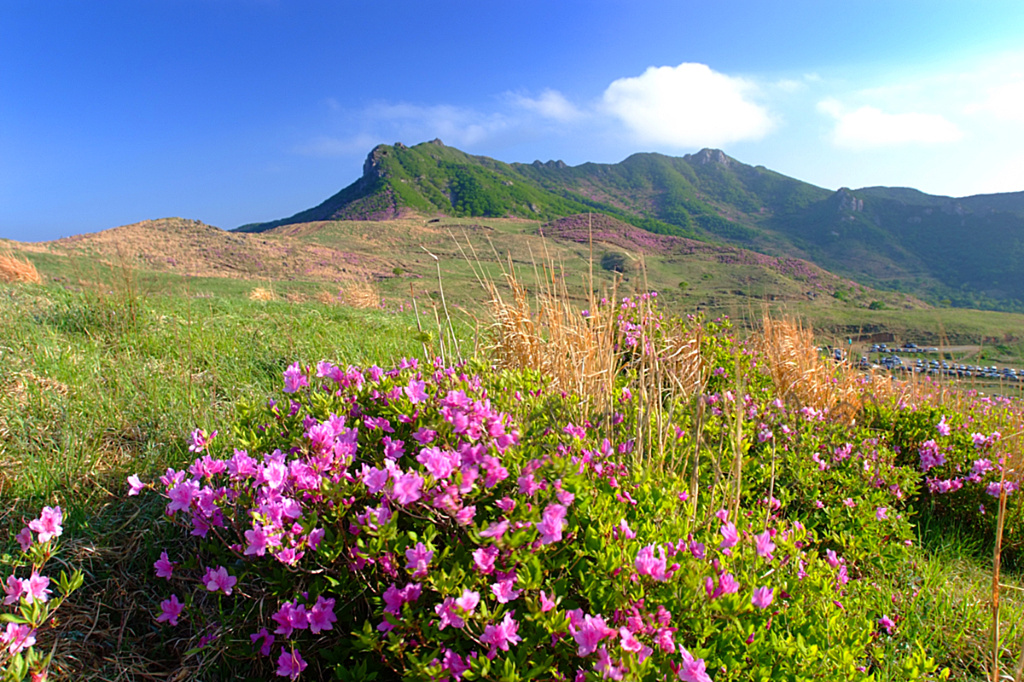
[
  {"x": 847, "y": 201},
  {"x": 372, "y": 166},
  {"x": 706, "y": 156}
]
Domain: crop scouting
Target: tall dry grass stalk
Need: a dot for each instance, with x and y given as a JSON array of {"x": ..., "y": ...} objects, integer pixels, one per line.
[
  {"x": 802, "y": 376},
  {"x": 262, "y": 294},
  {"x": 550, "y": 334},
  {"x": 1012, "y": 461},
  {"x": 360, "y": 294},
  {"x": 581, "y": 354},
  {"x": 21, "y": 270}
]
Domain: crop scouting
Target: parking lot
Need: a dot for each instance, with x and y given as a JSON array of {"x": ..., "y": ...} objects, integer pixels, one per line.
[{"x": 901, "y": 359}]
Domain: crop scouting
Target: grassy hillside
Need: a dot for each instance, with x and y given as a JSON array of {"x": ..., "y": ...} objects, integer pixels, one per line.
[
  {"x": 391, "y": 264},
  {"x": 960, "y": 252},
  {"x": 99, "y": 383}
]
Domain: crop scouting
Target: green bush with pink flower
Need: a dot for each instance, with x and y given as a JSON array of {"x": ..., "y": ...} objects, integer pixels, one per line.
[
  {"x": 398, "y": 524},
  {"x": 436, "y": 522},
  {"x": 30, "y": 598}
]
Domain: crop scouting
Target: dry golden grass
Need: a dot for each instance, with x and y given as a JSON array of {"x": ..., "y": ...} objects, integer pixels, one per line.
[
  {"x": 261, "y": 294},
  {"x": 14, "y": 269},
  {"x": 360, "y": 294},
  {"x": 803, "y": 377},
  {"x": 550, "y": 335},
  {"x": 327, "y": 298}
]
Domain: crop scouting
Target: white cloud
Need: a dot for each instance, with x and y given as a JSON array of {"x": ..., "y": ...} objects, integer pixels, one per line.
[
  {"x": 790, "y": 85},
  {"x": 869, "y": 126},
  {"x": 1004, "y": 101},
  {"x": 687, "y": 106},
  {"x": 384, "y": 122},
  {"x": 551, "y": 104},
  {"x": 458, "y": 126}
]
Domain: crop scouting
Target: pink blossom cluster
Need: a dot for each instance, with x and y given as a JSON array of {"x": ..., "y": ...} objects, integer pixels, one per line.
[{"x": 399, "y": 480}]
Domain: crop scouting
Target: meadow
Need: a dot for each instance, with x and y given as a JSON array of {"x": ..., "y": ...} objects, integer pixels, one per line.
[{"x": 558, "y": 487}]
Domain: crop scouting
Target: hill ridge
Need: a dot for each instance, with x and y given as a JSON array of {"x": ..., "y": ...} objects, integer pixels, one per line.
[{"x": 966, "y": 251}]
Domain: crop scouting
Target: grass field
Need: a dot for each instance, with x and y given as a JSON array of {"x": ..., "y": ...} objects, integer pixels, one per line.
[{"x": 107, "y": 370}]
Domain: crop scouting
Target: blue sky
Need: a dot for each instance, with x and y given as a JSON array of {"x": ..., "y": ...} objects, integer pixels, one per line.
[{"x": 236, "y": 111}]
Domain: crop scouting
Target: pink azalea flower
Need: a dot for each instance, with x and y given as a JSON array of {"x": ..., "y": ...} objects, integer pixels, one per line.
[
  {"x": 294, "y": 379},
  {"x": 729, "y": 536},
  {"x": 393, "y": 449},
  {"x": 504, "y": 590},
  {"x": 374, "y": 479},
  {"x": 882, "y": 513},
  {"x": 495, "y": 530},
  {"x": 589, "y": 633},
  {"x": 628, "y": 640},
  {"x": 321, "y": 616},
  {"x": 647, "y": 564},
  {"x": 315, "y": 537},
  {"x": 664, "y": 639},
  {"x": 550, "y": 526},
  {"x": 393, "y": 600},
  {"x": 419, "y": 559},
  {"x": 454, "y": 664},
  {"x": 843, "y": 575},
  {"x": 14, "y": 587},
  {"x": 416, "y": 391},
  {"x": 465, "y": 516},
  {"x": 170, "y": 610},
  {"x": 257, "y": 541},
  {"x": 17, "y": 637},
  {"x": 546, "y": 604},
  {"x": 623, "y": 530},
  {"x": 135, "y": 485},
  {"x": 764, "y": 545},
  {"x": 449, "y": 616},
  {"x": 506, "y": 504},
  {"x": 290, "y": 618},
  {"x": 164, "y": 566},
  {"x": 693, "y": 669},
  {"x": 290, "y": 664},
  {"x": 24, "y": 538},
  {"x": 762, "y": 597},
  {"x": 886, "y": 624},
  {"x": 605, "y": 666},
  {"x": 942, "y": 427},
  {"x": 201, "y": 441},
  {"x": 424, "y": 436},
  {"x": 575, "y": 431},
  {"x": 36, "y": 588},
  {"x": 438, "y": 463},
  {"x": 268, "y": 641},
  {"x": 48, "y": 524},
  {"x": 468, "y": 601},
  {"x": 483, "y": 559},
  {"x": 727, "y": 584},
  {"x": 502, "y": 635},
  {"x": 218, "y": 579},
  {"x": 181, "y": 496},
  {"x": 407, "y": 488}
]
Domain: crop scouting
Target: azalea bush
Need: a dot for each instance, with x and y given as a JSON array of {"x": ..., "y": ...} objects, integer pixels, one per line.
[
  {"x": 960, "y": 455},
  {"x": 432, "y": 522},
  {"x": 31, "y": 597}
]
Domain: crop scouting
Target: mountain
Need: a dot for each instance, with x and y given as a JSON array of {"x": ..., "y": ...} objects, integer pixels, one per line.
[{"x": 966, "y": 252}]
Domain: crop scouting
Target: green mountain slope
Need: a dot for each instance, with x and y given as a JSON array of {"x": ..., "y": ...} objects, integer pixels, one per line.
[{"x": 969, "y": 251}]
